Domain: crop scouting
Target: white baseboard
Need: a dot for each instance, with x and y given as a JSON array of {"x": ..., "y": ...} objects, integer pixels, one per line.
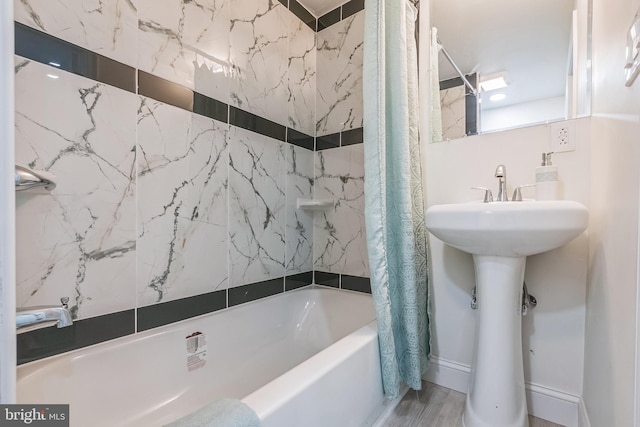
[
  {"x": 542, "y": 402},
  {"x": 583, "y": 417},
  {"x": 552, "y": 405},
  {"x": 448, "y": 374}
]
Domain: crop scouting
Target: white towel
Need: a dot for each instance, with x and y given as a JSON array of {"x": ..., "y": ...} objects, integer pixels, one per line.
[{"x": 222, "y": 413}]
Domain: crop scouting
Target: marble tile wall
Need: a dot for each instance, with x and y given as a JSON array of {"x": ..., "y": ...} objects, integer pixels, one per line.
[
  {"x": 251, "y": 53},
  {"x": 302, "y": 78},
  {"x": 257, "y": 207},
  {"x": 194, "y": 204},
  {"x": 339, "y": 233},
  {"x": 259, "y": 42},
  {"x": 339, "y": 76},
  {"x": 156, "y": 203},
  {"x": 452, "y": 102},
  {"x": 187, "y": 43},
  {"x": 107, "y": 27},
  {"x": 182, "y": 203},
  {"x": 299, "y": 223},
  {"x": 80, "y": 240}
]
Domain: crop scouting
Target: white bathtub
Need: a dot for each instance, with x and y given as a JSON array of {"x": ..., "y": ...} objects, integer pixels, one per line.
[{"x": 303, "y": 358}]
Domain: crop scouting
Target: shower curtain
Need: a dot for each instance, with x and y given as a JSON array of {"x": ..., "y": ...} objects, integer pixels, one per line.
[{"x": 394, "y": 209}]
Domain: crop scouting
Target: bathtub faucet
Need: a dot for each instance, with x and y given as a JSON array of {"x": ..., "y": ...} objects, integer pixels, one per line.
[{"x": 28, "y": 316}]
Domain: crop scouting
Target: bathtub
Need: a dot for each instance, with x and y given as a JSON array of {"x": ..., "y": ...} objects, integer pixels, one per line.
[{"x": 308, "y": 357}]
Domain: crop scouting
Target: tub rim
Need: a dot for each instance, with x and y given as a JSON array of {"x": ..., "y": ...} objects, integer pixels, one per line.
[{"x": 150, "y": 333}]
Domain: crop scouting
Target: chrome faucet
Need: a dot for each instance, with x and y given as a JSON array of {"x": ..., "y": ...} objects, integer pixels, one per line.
[
  {"x": 501, "y": 174},
  {"x": 28, "y": 316}
]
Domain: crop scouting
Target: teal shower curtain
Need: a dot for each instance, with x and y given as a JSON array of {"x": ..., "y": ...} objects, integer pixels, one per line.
[{"x": 394, "y": 209}]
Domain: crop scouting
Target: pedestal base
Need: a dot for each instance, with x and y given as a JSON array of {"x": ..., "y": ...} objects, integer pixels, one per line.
[{"x": 496, "y": 395}]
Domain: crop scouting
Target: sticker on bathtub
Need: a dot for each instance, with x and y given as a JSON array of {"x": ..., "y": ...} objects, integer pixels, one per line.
[{"x": 196, "y": 351}]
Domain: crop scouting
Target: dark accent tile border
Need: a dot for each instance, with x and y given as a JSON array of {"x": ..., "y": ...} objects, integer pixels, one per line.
[
  {"x": 471, "y": 107},
  {"x": 326, "y": 279},
  {"x": 329, "y": 18},
  {"x": 339, "y": 13},
  {"x": 326, "y": 142},
  {"x": 300, "y": 139},
  {"x": 340, "y": 139},
  {"x": 298, "y": 281},
  {"x": 179, "y": 96},
  {"x": 254, "y": 291},
  {"x": 352, "y": 137},
  {"x": 302, "y": 14},
  {"x": 45, "y": 342},
  {"x": 165, "y": 91},
  {"x": 41, "y": 47},
  {"x": 326, "y": 20},
  {"x": 448, "y": 84},
  {"x": 164, "y": 313},
  {"x": 249, "y": 121},
  {"x": 210, "y": 107},
  {"x": 355, "y": 283},
  {"x": 38, "y": 46},
  {"x": 352, "y": 7}
]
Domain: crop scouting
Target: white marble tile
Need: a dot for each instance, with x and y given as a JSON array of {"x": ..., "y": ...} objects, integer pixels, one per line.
[
  {"x": 107, "y": 27},
  {"x": 78, "y": 241},
  {"x": 182, "y": 203},
  {"x": 259, "y": 54},
  {"x": 339, "y": 239},
  {"x": 186, "y": 42},
  {"x": 299, "y": 229},
  {"x": 257, "y": 171},
  {"x": 302, "y": 77},
  {"x": 453, "y": 107},
  {"x": 339, "y": 76}
]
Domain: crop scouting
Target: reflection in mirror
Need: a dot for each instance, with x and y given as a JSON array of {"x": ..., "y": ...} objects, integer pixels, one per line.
[{"x": 528, "y": 61}]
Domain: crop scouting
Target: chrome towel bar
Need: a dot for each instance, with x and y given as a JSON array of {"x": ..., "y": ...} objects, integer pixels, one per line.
[{"x": 27, "y": 179}]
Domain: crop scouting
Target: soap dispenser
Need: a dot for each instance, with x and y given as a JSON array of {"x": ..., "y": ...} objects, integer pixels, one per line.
[{"x": 547, "y": 184}]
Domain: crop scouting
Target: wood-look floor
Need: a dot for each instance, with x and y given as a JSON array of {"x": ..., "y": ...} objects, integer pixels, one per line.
[{"x": 436, "y": 406}]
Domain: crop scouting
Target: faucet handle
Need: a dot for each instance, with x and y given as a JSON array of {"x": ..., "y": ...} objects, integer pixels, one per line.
[
  {"x": 65, "y": 302},
  {"x": 517, "y": 193},
  {"x": 488, "y": 196}
]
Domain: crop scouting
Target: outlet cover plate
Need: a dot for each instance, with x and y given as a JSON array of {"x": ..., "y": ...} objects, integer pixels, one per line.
[{"x": 563, "y": 136}]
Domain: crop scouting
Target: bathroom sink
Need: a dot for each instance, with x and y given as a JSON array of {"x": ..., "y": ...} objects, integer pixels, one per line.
[
  {"x": 510, "y": 229},
  {"x": 500, "y": 235}
]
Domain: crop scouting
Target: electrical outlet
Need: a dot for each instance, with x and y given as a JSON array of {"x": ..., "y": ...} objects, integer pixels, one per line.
[{"x": 563, "y": 137}]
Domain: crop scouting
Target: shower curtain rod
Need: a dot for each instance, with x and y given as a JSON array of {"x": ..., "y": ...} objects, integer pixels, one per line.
[{"x": 455, "y": 67}]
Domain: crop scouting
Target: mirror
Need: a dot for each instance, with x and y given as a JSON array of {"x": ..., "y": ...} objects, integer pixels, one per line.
[{"x": 541, "y": 48}]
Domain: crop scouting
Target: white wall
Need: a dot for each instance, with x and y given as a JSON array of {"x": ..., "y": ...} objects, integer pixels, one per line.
[
  {"x": 538, "y": 111},
  {"x": 601, "y": 309},
  {"x": 604, "y": 174},
  {"x": 610, "y": 357},
  {"x": 553, "y": 333}
]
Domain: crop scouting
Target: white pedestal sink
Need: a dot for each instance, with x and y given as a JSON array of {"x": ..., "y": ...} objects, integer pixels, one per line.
[{"x": 500, "y": 235}]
